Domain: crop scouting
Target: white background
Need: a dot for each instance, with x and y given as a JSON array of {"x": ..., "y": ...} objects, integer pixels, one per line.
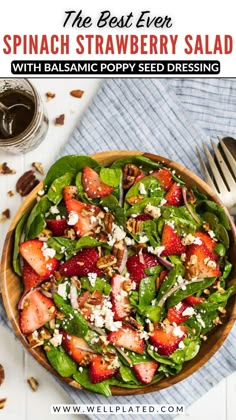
[
  {"x": 22, "y": 403},
  {"x": 47, "y": 17}
]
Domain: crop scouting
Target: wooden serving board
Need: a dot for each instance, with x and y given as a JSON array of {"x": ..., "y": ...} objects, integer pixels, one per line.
[{"x": 12, "y": 287}]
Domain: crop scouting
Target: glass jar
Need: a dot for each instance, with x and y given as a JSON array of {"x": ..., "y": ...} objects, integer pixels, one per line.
[{"x": 21, "y": 91}]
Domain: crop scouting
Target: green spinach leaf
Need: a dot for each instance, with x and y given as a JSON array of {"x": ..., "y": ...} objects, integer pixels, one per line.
[{"x": 60, "y": 361}]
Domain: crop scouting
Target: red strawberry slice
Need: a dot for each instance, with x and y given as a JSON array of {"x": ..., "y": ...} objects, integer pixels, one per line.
[
  {"x": 200, "y": 263},
  {"x": 165, "y": 177},
  {"x": 166, "y": 339},
  {"x": 37, "y": 311},
  {"x": 100, "y": 369},
  {"x": 77, "y": 348},
  {"x": 175, "y": 314},
  {"x": 119, "y": 297},
  {"x": 143, "y": 217},
  {"x": 32, "y": 252},
  {"x": 174, "y": 196},
  {"x": 171, "y": 241},
  {"x": 208, "y": 241},
  {"x": 136, "y": 268},
  {"x": 145, "y": 371},
  {"x": 128, "y": 338},
  {"x": 93, "y": 185},
  {"x": 194, "y": 300},
  {"x": 57, "y": 227},
  {"x": 81, "y": 264},
  {"x": 30, "y": 278},
  {"x": 70, "y": 192},
  {"x": 86, "y": 215}
]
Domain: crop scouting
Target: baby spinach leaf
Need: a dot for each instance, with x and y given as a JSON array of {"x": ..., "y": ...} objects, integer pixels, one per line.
[
  {"x": 222, "y": 234},
  {"x": 63, "y": 246},
  {"x": 210, "y": 218},
  {"x": 68, "y": 164},
  {"x": 111, "y": 176},
  {"x": 127, "y": 375},
  {"x": 100, "y": 284},
  {"x": 18, "y": 233},
  {"x": 170, "y": 279},
  {"x": 220, "y": 250},
  {"x": 212, "y": 207},
  {"x": 88, "y": 242},
  {"x": 36, "y": 220},
  {"x": 60, "y": 361},
  {"x": 221, "y": 298},
  {"x": 111, "y": 203},
  {"x": 147, "y": 290},
  {"x": 190, "y": 289},
  {"x": 74, "y": 323},
  {"x": 55, "y": 192},
  {"x": 149, "y": 228},
  {"x": 227, "y": 269},
  {"x": 142, "y": 162},
  {"x": 182, "y": 219},
  {"x": 148, "y": 185},
  {"x": 83, "y": 379},
  {"x": 153, "y": 271},
  {"x": 190, "y": 350}
]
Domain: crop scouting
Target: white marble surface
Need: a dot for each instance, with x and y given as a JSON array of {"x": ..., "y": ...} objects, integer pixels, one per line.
[{"x": 22, "y": 402}]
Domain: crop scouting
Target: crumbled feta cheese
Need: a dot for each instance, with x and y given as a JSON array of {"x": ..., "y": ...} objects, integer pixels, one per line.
[
  {"x": 157, "y": 250},
  {"x": 178, "y": 306},
  {"x": 92, "y": 278},
  {"x": 200, "y": 320},
  {"x": 181, "y": 345},
  {"x": 41, "y": 193},
  {"x": 48, "y": 252},
  {"x": 56, "y": 339},
  {"x": 144, "y": 335},
  {"x": 143, "y": 239},
  {"x": 81, "y": 369},
  {"x": 153, "y": 211},
  {"x": 177, "y": 332},
  {"x": 163, "y": 202},
  {"x": 129, "y": 241},
  {"x": 93, "y": 219},
  {"x": 153, "y": 302},
  {"x": 61, "y": 290},
  {"x": 180, "y": 280},
  {"x": 54, "y": 210},
  {"x": 142, "y": 189},
  {"x": 188, "y": 311},
  {"x": 118, "y": 233},
  {"x": 35, "y": 335},
  {"x": 102, "y": 316},
  {"x": 58, "y": 217},
  {"x": 73, "y": 218},
  {"x": 190, "y": 239},
  {"x": 170, "y": 223},
  {"x": 211, "y": 233},
  {"x": 210, "y": 263},
  {"x": 193, "y": 259},
  {"x": 183, "y": 256}
]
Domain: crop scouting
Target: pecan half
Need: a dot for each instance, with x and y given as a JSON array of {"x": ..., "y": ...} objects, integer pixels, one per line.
[
  {"x": 118, "y": 251},
  {"x": 60, "y": 120},
  {"x": 132, "y": 323},
  {"x": 5, "y": 170},
  {"x": 106, "y": 261},
  {"x": 77, "y": 93},
  {"x": 33, "y": 383},
  {"x": 2, "y": 374},
  {"x": 130, "y": 172},
  {"x": 108, "y": 221},
  {"x": 133, "y": 225},
  {"x": 2, "y": 403},
  {"x": 26, "y": 183},
  {"x": 50, "y": 95},
  {"x": 135, "y": 199},
  {"x": 39, "y": 167}
]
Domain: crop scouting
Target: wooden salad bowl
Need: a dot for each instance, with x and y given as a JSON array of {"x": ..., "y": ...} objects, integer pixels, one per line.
[{"x": 12, "y": 287}]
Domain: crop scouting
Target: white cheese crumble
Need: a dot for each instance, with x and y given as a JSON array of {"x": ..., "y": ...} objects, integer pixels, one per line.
[
  {"x": 190, "y": 239},
  {"x": 81, "y": 369},
  {"x": 183, "y": 256},
  {"x": 48, "y": 252},
  {"x": 188, "y": 311},
  {"x": 143, "y": 239},
  {"x": 93, "y": 219},
  {"x": 153, "y": 211},
  {"x": 73, "y": 218},
  {"x": 61, "y": 290},
  {"x": 142, "y": 189},
  {"x": 129, "y": 241},
  {"x": 200, "y": 320},
  {"x": 157, "y": 250},
  {"x": 41, "y": 193},
  {"x": 210, "y": 263},
  {"x": 56, "y": 339},
  {"x": 178, "y": 332},
  {"x": 211, "y": 233},
  {"x": 170, "y": 223},
  {"x": 163, "y": 202},
  {"x": 54, "y": 210},
  {"x": 144, "y": 335},
  {"x": 92, "y": 278},
  {"x": 193, "y": 259},
  {"x": 102, "y": 316},
  {"x": 181, "y": 345}
]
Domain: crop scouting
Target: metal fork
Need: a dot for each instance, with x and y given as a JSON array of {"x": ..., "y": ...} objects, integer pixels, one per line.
[{"x": 222, "y": 178}]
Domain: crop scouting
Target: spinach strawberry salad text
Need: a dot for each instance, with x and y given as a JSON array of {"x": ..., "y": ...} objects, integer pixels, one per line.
[{"x": 124, "y": 271}]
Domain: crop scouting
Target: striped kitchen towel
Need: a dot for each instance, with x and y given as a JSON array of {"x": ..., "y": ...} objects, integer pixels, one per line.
[{"x": 168, "y": 117}]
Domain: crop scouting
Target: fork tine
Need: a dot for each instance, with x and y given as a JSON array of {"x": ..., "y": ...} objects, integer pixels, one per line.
[
  {"x": 229, "y": 156},
  {"x": 217, "y": 176},
  {"x": 205, "y": 171},
  {"x": 229, "y": 180}
]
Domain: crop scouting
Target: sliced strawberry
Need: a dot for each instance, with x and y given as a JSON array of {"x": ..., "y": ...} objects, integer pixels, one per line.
[
  {"x": 32, "y": 252},
  {"x": 37, "y": 311},
  {"x": 200, "y": 262},
  {"x": 100, "y": 369},
  {"x": 174, "y": 196},
  {"x": 171, "y": 241},
  {"x": 70, "y": 192},
  {"x": 86, "y": 215},
  {"x": 57, "y": 227},
  {"x": 145, "y": 371},
  {"x": 165, "y": 177},
  {"x": 119, "y": 297},
  {"x": 208, "y": 241},
  {"x": 81, "y": 264},
  {"x": 194, "y": 300},
  {"x": 140, "y": 176},
  {"x": 30, "y": 278},
  {"x": 166, "y": 339},
  {"x": 175, "y": 314},
  {"x": 77, "y": 348},
  {"x": 128, "y": 338},
  {"x": 143, "y": 217},
  {"x": 93, "y": 185},
  {"x": 136, "y": 267}
]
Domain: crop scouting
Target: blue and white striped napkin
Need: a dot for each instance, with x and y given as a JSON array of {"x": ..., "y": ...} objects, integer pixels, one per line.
[{"x": 168, "y": 117}]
